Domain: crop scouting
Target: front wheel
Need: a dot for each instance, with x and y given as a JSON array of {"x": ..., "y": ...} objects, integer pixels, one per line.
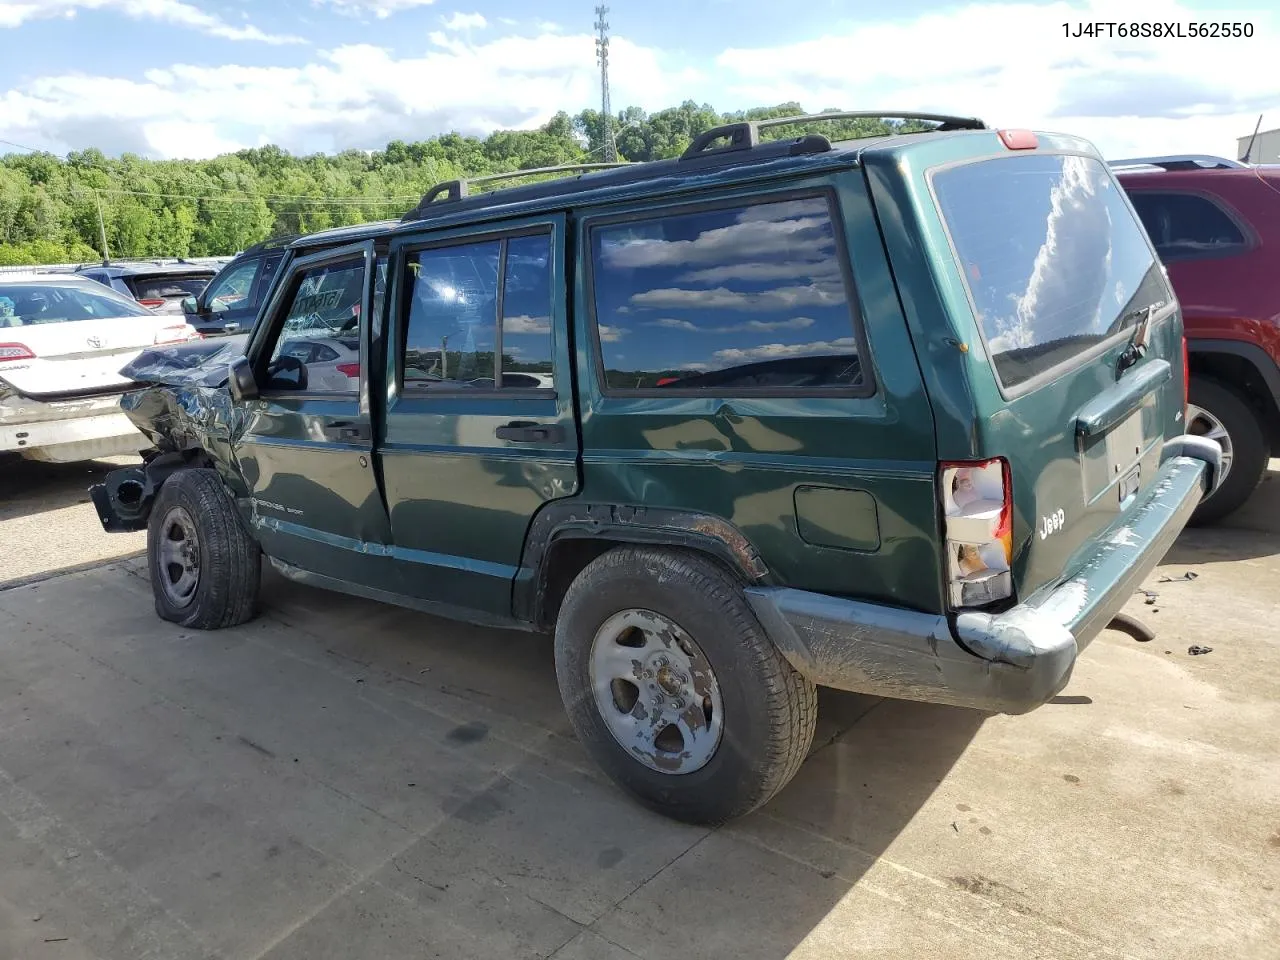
[
  {"x": 674, "y": 689},
  {"x": 1220, "y": 414},
  {"x": 205, "y": 568}
]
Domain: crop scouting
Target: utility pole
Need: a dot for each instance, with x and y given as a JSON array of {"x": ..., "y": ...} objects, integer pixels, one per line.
[
  {"x": 102, "y": 230},
  {"x": 602, "y": 57}
]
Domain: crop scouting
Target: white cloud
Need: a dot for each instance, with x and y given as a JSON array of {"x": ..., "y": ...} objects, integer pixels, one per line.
[
  {"x": 14, "y": 13},
  {"x": 1012, "y": 65},
  {"x": 1007, "y": 63},
  {"x": 774, "y": 351},
  {"x": 807, "y": 236},
  {"x": 749, "y": 326},
  {"x": 526, "y": 324},
  {"x": 611, "y": 334},
  {"x": 466, "y": 21},
  {"x": 354, "y": 97},
  {"x": 722, "y": 298},
  {"x": 378, "y": 8}
]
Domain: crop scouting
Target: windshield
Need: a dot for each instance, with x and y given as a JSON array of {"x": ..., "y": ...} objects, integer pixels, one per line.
[
  {"x": 168, "y": 288},
  {"x": 28, "y": 305},
  {"x": 1054, "y": 260}
]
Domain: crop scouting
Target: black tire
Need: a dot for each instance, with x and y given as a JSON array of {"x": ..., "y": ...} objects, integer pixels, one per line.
[
  {"x": 228, "y": 561},
  {"x": 1248, "y": 445},
  {"x": 769, "y": 709}
]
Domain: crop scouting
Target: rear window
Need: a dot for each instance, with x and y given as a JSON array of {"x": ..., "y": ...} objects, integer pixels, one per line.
[
  {"x": 34, "y": 304},
  {"x": 731, "y": 299},
  {"x": 167, "y": 287},
  {"x": 1054, "y": 260}
]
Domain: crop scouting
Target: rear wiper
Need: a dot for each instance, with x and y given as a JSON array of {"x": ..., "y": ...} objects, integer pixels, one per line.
[{"x": 1138, "y": 342}]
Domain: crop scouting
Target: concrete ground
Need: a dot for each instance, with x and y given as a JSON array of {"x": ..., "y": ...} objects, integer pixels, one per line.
[
  {"x": 48, "y": 525},
  {"x": 343, "y": 780}
]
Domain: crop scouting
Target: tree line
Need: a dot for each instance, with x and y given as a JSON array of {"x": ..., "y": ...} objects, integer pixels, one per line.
[{"x": 51, "y": 208}]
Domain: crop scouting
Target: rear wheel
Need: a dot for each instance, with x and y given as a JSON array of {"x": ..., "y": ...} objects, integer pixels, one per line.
[
  {"x": 673, "y": 687},
  {"x": 1219, "y": 413},
  {"x": 205, "y": 568}
]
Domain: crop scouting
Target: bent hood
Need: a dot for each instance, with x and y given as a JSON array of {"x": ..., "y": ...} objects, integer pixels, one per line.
[
  {"x": 202, "y": 362},
  {"x": 184, "y": 403}
]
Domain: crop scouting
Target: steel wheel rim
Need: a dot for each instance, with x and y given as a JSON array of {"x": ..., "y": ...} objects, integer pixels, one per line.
[
  {"x": 178, "y": 557},
  {"x": 1202, "y": 423},
  {"x": 656, "y": 692}
]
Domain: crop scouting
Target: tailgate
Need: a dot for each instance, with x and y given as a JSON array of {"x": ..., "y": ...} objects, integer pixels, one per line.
[{"x": 1083, "y": 348}]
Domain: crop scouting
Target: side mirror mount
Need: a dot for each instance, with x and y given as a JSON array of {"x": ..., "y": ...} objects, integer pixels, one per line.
[
  {"x": 241, "y": 381},
  {"x": 189, "y": 306}
]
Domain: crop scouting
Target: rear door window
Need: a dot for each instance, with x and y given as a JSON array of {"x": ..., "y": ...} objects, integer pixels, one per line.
[
  {"x": 1185, "y": 226},
  {"x": 734, "y": 299},
  {"x": 1054, "y": 260},
  {"x": 480, "y": 316}
]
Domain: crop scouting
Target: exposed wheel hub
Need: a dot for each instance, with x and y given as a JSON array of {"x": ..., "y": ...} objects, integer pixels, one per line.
[
  {"x": 656, "y": 691},
  {"x": 1202, "y": 423},
  {"x": 178, "y": 557}
]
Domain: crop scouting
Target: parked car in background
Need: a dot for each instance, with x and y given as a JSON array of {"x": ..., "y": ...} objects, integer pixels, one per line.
[
  {"x": 1216, "y": 226},
  {"x": 901, "y": 416},
  {"x": 63, "y": 341},
  {"x": 230, "y": 302},
  {"x": 157, "y": 285}
]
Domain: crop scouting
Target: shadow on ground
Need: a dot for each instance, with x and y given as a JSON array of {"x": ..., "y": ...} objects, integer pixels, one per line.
[
  {"x": 29, "y": 487},
  {"x": 1251, "y": 532},
  {"x": 342, "y": 779}
]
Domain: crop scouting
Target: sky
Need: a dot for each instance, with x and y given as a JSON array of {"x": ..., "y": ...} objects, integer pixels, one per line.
[{"x": 195, "y": 78}]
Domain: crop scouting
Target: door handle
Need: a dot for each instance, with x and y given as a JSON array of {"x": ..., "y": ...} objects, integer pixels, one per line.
[
  {"x": 348, "y": 432},
  {"x": 526, "y": 431}
]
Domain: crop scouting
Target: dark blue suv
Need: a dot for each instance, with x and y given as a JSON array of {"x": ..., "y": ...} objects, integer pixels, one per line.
[{"x": 230, "y": 302}]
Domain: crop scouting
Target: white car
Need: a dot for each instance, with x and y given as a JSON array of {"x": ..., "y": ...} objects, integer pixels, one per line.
[
  {"x": 331, "y": 363},
  {"x": 63, "y": 342}
]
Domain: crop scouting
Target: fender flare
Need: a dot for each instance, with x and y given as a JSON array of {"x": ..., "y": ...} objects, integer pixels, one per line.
[
  {"x": 1251, "y": 353},
  {"x": 583, "y": 520}
]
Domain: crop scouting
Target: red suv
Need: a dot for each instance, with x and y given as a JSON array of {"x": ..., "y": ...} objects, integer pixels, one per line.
[{"x": 1216, "y": 225}]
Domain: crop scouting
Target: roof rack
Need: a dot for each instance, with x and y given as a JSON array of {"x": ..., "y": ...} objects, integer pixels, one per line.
[
  {"x": 745, "y": 134},
  {"x": 1186, "y": 161},
  {"x": 452, "y": 190}
]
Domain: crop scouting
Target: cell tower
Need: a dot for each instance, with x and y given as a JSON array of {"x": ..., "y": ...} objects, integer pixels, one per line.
[{"x": 602, "y": 57}]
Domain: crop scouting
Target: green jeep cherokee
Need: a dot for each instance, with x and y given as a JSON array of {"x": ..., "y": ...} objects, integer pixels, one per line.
[{"x": 901, "y": 416}]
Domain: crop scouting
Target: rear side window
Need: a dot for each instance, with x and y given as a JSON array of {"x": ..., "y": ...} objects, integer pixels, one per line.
[
  {"x": 733, "y": 299},
  {"x": 480, "y": 316},
  {"x": 1185, "y": 226},
  {"x": 1054, "y": 260}
]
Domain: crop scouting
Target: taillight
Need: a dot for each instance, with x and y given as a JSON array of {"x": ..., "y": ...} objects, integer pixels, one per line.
[
  {"x": 178, "y": 333},
  {"x": 152, "y": 302},
  {"x": 977, "y": 508},
  {"x": 1186, "y": 376},
  {"x": 15, "y": 351},
  {"x": 349, "y": 369}
]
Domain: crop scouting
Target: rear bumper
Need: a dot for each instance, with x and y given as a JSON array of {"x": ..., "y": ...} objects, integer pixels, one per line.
[
  {"x": 1010, "y": 662},
  {"x": 73, "y": 429}
]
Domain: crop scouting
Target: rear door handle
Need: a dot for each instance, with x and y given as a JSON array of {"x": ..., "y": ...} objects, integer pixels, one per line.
[
  {"x": 526, "y": 431},
  {"x": 348, "y": 432}
]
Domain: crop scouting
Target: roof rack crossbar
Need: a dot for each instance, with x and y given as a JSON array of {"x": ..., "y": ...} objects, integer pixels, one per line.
[
  {"x": 453, "y": 190},
  {"x": 946, "y": 121},
  {"x": 745, "y": 134}
]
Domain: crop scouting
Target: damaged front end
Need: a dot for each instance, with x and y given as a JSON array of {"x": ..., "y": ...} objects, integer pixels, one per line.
[{"x": 184, "y": 408}]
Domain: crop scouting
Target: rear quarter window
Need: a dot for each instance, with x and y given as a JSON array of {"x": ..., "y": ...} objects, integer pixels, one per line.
[
  {"x": 1186, "y": 226},
  {"x": 1053, "y": 258},
  {"x": 731, "y": 299}
]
